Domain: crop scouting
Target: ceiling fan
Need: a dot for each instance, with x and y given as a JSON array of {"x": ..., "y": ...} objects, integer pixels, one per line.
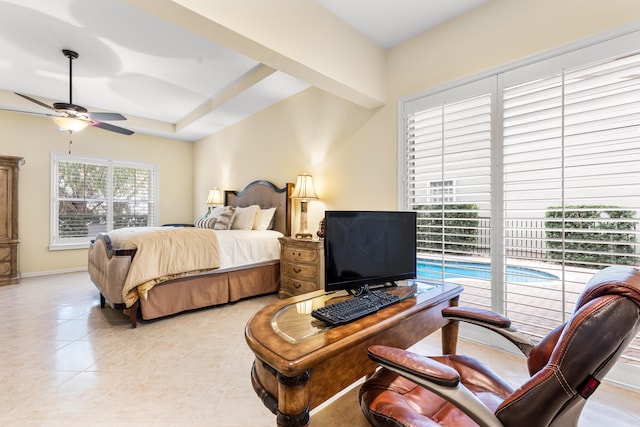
[{"x": 72, "y": 117}]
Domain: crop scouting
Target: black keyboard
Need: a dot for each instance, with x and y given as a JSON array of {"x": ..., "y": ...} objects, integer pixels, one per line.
[{"x": 354, "y": 308}]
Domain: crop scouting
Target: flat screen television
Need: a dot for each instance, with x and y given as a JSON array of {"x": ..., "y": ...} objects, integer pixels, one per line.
[{"x": 368, "y": 248}]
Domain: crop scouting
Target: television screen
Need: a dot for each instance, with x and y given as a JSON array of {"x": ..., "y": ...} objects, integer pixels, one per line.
[{"x": 368, "y": 248}]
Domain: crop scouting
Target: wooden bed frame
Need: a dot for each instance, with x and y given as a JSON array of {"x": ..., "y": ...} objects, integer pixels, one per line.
[{"x": 108, "y": 267}]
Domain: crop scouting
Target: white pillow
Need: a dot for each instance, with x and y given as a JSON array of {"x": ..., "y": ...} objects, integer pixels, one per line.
[
  {"x": 244, "y": 217},
  {"x": 264, "y": 219}
]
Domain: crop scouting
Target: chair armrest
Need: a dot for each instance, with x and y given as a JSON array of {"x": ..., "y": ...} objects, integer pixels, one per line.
[
  {"x": 492, "y": 321},
  {"x": 435, "y": 376},
  {"x": 425, "y": 367}
]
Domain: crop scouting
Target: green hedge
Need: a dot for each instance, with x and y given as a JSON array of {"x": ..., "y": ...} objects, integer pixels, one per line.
[
  {"x": 461, "y": 227},
  {"x": 593, "y": 234}
]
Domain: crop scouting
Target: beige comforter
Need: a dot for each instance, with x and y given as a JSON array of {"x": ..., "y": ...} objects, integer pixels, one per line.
[{"x": 164, "y": 253}]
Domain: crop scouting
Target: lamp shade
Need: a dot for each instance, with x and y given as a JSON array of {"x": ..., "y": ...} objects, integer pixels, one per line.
[
  {"x": 215, "y": 197},
  {"x": 304, "y": 188},
  {"x": 69, "y": 123}
]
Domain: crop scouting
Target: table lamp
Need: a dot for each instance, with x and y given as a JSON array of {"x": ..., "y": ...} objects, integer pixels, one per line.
[
  {"x": 304, "y": 192},
  {"x": 214, "y": 198}
]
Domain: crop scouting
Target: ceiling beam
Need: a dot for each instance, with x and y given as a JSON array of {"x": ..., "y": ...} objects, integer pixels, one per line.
[
  {"x": 242, "y": 83},
  {"x": 298, "y": 37}
]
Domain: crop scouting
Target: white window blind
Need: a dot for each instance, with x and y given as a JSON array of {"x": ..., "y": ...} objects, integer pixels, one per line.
[
  {"x": 571, "y": 174},
  {"x": 549, "y": 159},
  {"x": 133, "y": 196},
  {"x": 448, "y": 152},
  {"x": 90, "y": 196}
]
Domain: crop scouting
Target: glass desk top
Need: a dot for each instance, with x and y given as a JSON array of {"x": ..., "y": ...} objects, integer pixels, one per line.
[{"x": 294, "y": 323}]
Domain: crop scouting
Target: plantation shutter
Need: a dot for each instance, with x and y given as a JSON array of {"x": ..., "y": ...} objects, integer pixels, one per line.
[
  {"x": 571, "y": 183},
  {"x": 82, "y": 199},
  {"x": 92, "y": 195},
  {"x": 533, "y": 182},
  {"x": 133, "y": 196},
  {"x": 448, "y": 183},
  {"x": 564, "y": 182}
]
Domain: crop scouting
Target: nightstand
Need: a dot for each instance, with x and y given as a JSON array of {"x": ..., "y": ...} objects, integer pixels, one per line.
[{"x": 301, "y": 266}]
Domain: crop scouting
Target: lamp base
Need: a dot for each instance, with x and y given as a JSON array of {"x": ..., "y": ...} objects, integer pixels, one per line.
[{"x": 304, "y": 232}]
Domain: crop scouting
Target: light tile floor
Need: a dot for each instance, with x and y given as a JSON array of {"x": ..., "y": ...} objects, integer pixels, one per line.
[{"x": 66, "y": 362}]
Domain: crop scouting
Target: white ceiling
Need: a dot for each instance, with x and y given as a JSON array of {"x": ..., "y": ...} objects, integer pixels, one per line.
[
  {"x": 391, "y": 22},
  {"x": 165, "y": 79}
]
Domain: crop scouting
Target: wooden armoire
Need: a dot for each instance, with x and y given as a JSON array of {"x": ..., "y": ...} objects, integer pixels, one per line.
[{"x": 9, "y": 169}]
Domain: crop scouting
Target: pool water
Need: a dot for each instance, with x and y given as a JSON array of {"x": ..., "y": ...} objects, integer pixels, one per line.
[{"x": 433, "y": 269}]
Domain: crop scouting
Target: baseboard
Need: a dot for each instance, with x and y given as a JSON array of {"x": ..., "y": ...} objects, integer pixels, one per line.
[
  {"x": 52, "y": 272},
  {"x": 625, "y": 375}
]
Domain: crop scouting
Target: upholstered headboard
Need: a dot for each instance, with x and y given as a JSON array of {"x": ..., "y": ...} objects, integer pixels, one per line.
[{"x": 266, "y": 195}]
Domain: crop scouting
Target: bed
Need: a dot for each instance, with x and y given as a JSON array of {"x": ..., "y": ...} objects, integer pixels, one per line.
[{"x": 112, "y": 261}]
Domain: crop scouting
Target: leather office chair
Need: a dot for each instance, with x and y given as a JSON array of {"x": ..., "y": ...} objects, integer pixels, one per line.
[{"x": 565, "y": 367}]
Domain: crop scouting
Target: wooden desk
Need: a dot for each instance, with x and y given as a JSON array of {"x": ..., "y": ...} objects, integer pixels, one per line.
[{"x": 300, "y": 362}]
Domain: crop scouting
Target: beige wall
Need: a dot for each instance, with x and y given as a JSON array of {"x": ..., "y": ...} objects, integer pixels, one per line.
[
  {"x": 35, "y": 138},
  {"x": 352, "y": 152},
  {"x": 498, "y": 33},
  {"x": 304, "y": 133}
]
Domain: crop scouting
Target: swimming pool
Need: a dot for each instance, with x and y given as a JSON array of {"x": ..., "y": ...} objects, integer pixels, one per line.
[{"x": 432, "y": 269}]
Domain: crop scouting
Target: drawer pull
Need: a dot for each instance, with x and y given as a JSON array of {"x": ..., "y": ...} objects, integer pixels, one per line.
[
  {"x": 296, "y": 285},
  {"x": 297, "y": 270}
]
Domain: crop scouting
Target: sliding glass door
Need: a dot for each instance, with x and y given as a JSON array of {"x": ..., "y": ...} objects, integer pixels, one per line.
[{"x": 527, "y": 182}]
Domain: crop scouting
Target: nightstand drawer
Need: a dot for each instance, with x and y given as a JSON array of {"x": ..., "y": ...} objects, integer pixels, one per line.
[
  {"x": 299, "y": 255},
  {"x": 300, "y": 271},
  {"x": 296, "y": 287}
]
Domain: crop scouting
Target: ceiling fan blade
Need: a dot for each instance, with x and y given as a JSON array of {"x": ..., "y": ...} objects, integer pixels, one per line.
[
  {"x": 28, "y": 112},
  {"x": 40, "y": 103},
  {"x": 110, "y": 127},
  {"x": 106, "y": 116}
]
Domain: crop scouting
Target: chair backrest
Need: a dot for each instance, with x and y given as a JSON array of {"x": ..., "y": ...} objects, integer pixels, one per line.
[{"x": 572, "y": 360}]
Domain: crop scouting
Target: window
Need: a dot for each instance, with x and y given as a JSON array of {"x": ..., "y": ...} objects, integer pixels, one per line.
[
  {"x": 441, "y": 191},
  {"x": 545, "y": 158},
  {"x": 90, "y": 196}
]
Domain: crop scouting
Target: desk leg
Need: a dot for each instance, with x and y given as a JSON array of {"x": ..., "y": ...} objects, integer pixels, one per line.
[
  {"x": 450, "y": 332},
  {"x": 293, "y": 400}
]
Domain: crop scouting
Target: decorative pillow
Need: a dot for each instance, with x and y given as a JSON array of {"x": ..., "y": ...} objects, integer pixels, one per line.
[
  {"x": 205, "y": 222},
  {"x": 244, "y": 218},
  {"x": 264, "y": 219},
  {"x": 215, "y": 212},
  {"x": 223, "y": 220}
]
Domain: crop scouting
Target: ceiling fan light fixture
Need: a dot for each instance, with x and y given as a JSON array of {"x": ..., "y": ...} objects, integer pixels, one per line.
[{"x": 69, "y": 123}]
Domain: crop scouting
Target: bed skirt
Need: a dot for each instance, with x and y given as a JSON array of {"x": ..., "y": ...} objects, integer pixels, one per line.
[{"x": 195, "y": 292}]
